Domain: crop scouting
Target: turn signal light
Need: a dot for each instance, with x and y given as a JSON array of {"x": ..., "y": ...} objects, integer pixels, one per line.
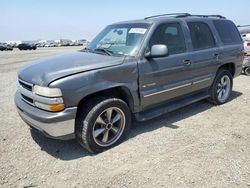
[
  {"x": 56, "y": 107},
  {"x": 50, "y": 107}
]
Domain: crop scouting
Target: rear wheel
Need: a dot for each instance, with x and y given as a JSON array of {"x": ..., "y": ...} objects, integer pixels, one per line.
[
  {"x": 247, "y": 71},
  {"x": 102, "y": 124},
  {"x": 222, "y": 87}
]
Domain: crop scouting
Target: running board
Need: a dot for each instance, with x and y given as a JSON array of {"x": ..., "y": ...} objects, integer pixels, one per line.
[{"x": 170, "y": 106}]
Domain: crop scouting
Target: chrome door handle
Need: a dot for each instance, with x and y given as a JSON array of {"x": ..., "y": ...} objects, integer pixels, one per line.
[
  {"x": 216, "y": 56},
  {"x": 187, "y": 62}
]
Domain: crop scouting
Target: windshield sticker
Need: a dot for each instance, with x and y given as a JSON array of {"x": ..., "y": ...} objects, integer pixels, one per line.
[{"x": 138, "y": 30}]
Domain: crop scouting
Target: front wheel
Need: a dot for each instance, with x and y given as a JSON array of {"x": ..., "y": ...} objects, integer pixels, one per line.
[
  {"x": 102, "y": 124},
  {"x": 222, "y": 87}
]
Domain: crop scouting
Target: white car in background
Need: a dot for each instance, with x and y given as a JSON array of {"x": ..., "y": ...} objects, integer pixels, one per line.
[
  {"x": 246, "y": 66},
  {"x": 246, "y": 39},
  {"x": 245, "y": 34}
]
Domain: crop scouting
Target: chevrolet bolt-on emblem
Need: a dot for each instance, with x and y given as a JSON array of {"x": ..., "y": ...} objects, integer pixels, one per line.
[{"x": 149, "y": 85}]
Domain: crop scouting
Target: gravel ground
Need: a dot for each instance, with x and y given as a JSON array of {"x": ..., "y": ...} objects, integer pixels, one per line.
[{"x": 198, "y": 146}]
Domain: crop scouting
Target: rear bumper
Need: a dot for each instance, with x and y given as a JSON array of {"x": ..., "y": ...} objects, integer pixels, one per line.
[{"x": 59, "y": 125}]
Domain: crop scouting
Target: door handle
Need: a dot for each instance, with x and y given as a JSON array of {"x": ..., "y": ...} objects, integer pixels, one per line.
[
  {"x": 216, "y": 56},
  {"x": 187, "y": 62}
]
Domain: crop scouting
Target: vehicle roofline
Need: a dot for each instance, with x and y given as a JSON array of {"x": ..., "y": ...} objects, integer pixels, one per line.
[{"x": 167, "y": 19}]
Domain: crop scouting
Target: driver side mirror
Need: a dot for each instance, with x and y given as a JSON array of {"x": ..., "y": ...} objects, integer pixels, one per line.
[{"x": 157, "y": 50}]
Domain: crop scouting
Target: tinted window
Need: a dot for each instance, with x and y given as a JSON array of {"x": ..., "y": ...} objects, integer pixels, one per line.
[
  {"x": 227, "y": 31},
  {"x": 171, "y": 35},
  {"x": 201, "y": 35}
]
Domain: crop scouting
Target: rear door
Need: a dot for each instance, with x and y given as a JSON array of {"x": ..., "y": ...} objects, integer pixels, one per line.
[
  {"x": 164, "y": 78},
  {"x": 204, "y": 54}
]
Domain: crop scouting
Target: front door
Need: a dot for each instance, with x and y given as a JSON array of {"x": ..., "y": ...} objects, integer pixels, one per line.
[{"x": 165, "y": 78}]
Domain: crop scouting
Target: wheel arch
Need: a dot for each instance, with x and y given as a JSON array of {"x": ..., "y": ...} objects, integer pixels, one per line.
[
  {"x": 120, "y": 92},
  {"x": 229, "y": 66}
]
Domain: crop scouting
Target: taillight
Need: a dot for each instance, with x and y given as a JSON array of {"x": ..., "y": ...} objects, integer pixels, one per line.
[{"x": 248, "y": 44}]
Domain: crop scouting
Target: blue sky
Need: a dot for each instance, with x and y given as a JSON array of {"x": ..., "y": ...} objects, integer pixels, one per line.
[{"x": 78, "y": 19}]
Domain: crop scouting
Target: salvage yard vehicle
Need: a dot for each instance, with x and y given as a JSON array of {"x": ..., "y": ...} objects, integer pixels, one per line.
[
  {"x": 246, "y": 66},
  {"x": 143, "y": 69},
  {"x": 5, "y": 47},
  {"x": 246, "y": 40},
  {"x": 26, "y": 46},
  {"x": 245, "y": 34},
  {"x": 247, "y": 46}
]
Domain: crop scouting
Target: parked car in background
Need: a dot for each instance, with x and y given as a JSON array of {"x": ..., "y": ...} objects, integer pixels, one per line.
[
  {"x": 246, "y": 41},
  {"x": 246, "y": 66},
  {"x": 245, "y": 34},
  {"x": 40, "y": 44},
  {"x": 26, "y": 46},
  {"x": 5, "y": 47},
  {"x": 143, "y": 68}
]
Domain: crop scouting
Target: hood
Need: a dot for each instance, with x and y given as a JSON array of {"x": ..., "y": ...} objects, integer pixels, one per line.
[{"x": 44, "y": 71}]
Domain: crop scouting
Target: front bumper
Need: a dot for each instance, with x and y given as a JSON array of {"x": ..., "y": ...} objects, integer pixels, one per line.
[{"x": 60, "y": 125}]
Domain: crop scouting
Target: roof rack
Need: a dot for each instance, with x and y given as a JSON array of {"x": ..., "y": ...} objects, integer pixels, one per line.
[
  {"x": 181, "y": 15},
  {"x": 243, "y": 25},
  {"x": 172, "y": 14},
  {"x": 207, "y": 16}
]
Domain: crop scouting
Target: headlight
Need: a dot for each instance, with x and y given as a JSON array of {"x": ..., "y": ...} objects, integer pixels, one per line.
[{"x": 47, "y": 92}]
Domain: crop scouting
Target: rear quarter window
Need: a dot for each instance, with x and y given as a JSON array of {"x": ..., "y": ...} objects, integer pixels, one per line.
[{"x": 228, "y": 32}]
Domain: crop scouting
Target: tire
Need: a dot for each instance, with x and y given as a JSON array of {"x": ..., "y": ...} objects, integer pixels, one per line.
[
  {"x": 247, "y": 71},
  {"x": 95, "y": 131},
  {"x": 220, "y": 90}
]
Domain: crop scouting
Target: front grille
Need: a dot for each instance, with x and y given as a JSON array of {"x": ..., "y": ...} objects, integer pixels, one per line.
[
  {"x": 26, "y": 85},
  {"x": 27, "y": 99}
]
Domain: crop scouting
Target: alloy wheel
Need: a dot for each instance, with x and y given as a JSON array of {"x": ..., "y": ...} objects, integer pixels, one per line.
[
  {"x": 223, "y": 88},
  {"x": 109, "y": 126}
]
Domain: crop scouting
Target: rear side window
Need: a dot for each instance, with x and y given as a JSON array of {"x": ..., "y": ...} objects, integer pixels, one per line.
[
  {"x": 201, "y": 35},
  {"x": 227, "y": 32}
]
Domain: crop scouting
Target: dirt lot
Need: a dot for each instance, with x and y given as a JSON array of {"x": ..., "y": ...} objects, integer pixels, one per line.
[{"x": 198, "y": 146}]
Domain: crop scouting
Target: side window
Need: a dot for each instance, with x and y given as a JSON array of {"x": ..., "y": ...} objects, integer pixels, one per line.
[
  {"x": 227, "y": 32},
  {"x": 171, "y": 35},
  {"x": 201, "y": 35}
]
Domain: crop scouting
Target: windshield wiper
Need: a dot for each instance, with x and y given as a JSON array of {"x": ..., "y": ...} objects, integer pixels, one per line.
[
  {"x": 86, "y": 50},
  {"x": 108, "y": 52}
]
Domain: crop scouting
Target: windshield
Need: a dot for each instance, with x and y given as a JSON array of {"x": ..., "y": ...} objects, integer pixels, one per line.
[{"x": 119, "y": 39}]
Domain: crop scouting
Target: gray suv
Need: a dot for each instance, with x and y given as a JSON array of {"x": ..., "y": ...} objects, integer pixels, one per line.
[{"x": 141, "y": 69}]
